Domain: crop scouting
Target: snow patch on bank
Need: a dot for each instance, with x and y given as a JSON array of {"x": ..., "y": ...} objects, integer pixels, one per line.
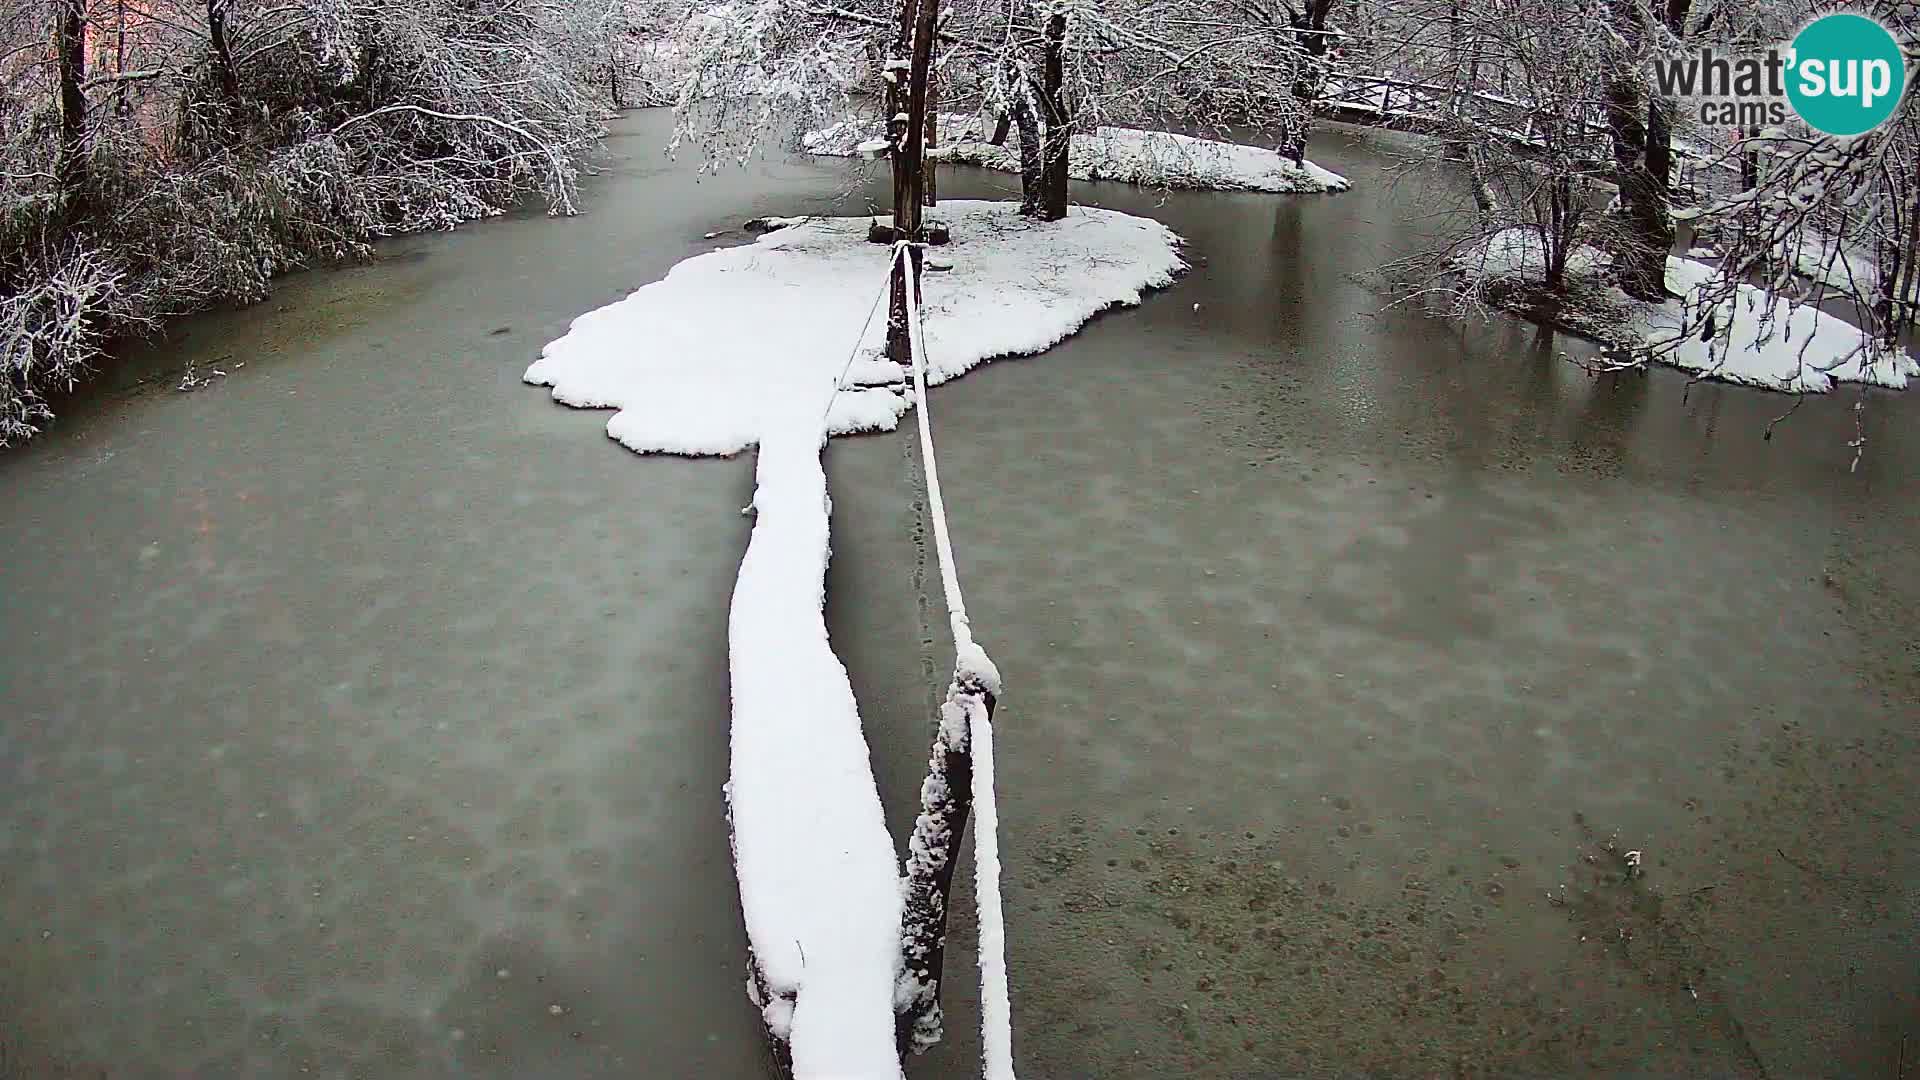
[
  {"x": 1770, "y": 343},
  {"x": 1763, "y": 339},
  {"x": 747, "y": 346},
  {"x": 1126, "y": 155}
]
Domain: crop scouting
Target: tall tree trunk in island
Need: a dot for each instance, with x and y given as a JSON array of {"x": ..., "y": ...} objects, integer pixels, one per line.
[
  {"x": 913, "y": 155},
  {"x": 222, "y": 49},
  {"x": 71, "y": 58},
  {"x": 909, "y": 161},
  {"x": 1058, "y": 143},
  {"x": 896, "y": 70},
  {"x": 946, "y": 800},
  {"x": 1026, "y": 125},
  {"x": 898, "y": 67},
  {"x": 1308, "y": 39}
]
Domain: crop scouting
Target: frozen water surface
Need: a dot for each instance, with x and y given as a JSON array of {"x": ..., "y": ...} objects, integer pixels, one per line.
[{"x": 366, "y": 712}]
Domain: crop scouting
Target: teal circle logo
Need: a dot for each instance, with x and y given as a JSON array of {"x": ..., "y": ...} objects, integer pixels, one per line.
[{"x": 1847, "y": 74}]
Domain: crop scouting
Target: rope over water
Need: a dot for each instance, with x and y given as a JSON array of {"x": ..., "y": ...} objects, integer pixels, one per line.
[{"x": 974, "y": 677}]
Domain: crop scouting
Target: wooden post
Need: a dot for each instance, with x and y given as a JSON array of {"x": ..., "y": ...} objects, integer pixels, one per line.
[
  {"x": 946, "y": 801},
  {"x": 899, "y": 348}
]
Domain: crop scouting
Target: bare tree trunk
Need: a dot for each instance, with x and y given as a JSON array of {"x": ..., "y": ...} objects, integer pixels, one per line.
[
  {"x": 222, "y": 50},
  {"x": 1900, "y": 265},
  {"x": 1309, "y": 40},
  {"x": 1641, "y": 258},
  {"x": 1660, "y": 147},
  {"x": 1560, "y": 225},
  {"x": 896, "y": 67},
  {"x": 1660, "y": 124},
  {"x": 1483, "y": 197},
  {"x": 909, "y": 156},
  {"x": 929, "y": 171},
  {"x": 1031, "y": 155},
  {"x": 71, "y": 59},
  {"x": 370, "y": 67},
  {"x": 1059, "y": 130},
  {"x": 122, "y": 106},
  {"x": 1886, "y": 308},
  {"x": 913, "y": 155}
]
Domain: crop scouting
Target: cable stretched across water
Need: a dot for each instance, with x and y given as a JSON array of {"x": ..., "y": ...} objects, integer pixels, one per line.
[{"x": 969, "y": 696}]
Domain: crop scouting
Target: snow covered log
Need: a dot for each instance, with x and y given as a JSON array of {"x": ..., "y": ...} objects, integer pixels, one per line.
[{"x": 818, "y": 884}]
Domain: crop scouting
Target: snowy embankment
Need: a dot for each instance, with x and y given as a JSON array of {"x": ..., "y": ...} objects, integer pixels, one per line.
[
  {"x": 755, "y": 345},
  {"x": 1768, "y": 341},
  {"x": 1759, "y": 338},
  {"x": 1126, "y": 155}
]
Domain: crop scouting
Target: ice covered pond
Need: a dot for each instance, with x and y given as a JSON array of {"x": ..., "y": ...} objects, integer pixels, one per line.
[{"x": 365, "y": 712}]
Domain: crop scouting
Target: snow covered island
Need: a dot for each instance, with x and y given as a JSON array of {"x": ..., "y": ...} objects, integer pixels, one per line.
[
  {"x": 762, "y": 345},
  {"x": 1126, "y": 155}
]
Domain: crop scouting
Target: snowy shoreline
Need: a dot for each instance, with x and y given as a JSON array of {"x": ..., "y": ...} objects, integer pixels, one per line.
[
  {"x": 761, "y": 345},
  {"x": 1123, "y": 155},
  {"x": 1764, "y": 340}
]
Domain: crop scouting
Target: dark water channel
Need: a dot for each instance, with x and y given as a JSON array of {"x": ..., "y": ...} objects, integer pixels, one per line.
[{"x": 365, "y": 713}]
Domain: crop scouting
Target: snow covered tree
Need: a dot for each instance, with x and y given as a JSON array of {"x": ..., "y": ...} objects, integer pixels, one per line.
[{"x": 1536, "y": 159}]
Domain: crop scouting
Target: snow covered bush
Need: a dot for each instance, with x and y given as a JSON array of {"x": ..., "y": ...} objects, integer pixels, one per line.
[
  {"x": 159, "y": 158},
  {"x": 74, "y": 295}
]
